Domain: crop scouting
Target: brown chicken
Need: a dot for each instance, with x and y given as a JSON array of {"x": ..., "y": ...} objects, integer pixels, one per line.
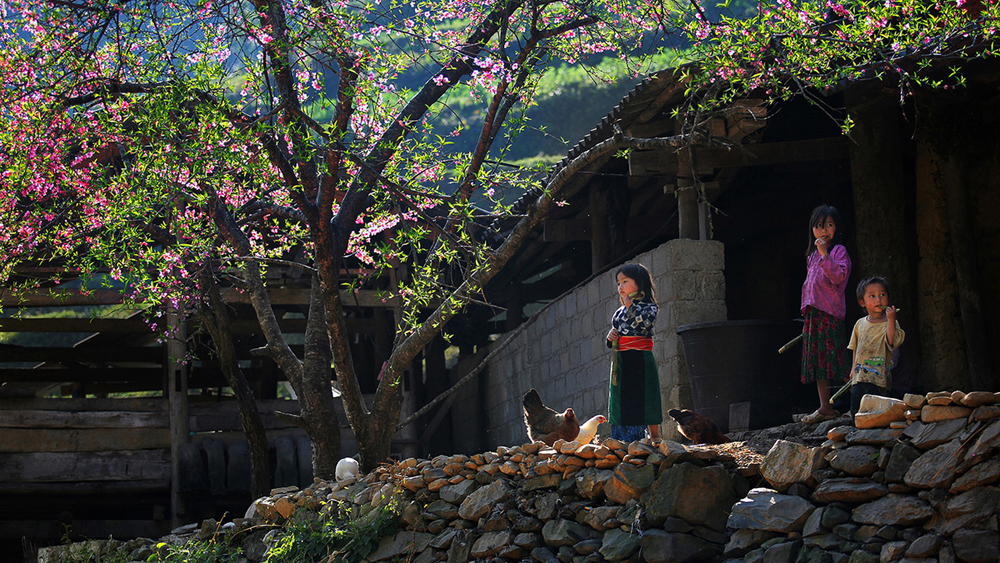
[
  {"x": 697, "y": 427},
  {"x": 545, "y": 424}
]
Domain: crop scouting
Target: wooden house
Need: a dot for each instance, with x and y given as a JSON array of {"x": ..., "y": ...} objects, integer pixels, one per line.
[{"x": 917, "y": 184}]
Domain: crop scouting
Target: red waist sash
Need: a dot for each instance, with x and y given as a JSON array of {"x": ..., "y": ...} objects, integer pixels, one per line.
[{"x": 644, "y": 343}]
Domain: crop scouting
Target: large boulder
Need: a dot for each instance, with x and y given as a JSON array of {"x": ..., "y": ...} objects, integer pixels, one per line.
[
  {"x": 878, "y": 412},
  {"x": 851, "y": 489},
  {"x": 659, "y": 546},
  {"x": 482, "y": 500},
  {"x": 619, "y": 544},
  {"x": 698, "y": 495},
  {"x": 402, "y": 544},
  {"x": 629, "y": 482},
  {"x": 900, "y": 460},
  {"x": 561, "y": 532},
  {"x": 977, "y": 546},
  {"x": 966, "y": 510},
  {"x": 893, "y": 510},
  {"x": 787, "y": 463},
  {"x": 935, "y": 468},
  {"x": 855, "y": 460},
  {"x": 766, "y": 509}
]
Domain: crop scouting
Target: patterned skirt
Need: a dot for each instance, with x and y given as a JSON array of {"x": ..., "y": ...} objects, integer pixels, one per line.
[
  {"x": 634, "y": 399},
  {"x": 824, "y": 348}
]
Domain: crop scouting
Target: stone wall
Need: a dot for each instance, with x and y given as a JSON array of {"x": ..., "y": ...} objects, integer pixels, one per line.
[
  {"x": 563, "y": 354},
  {"x": 915, "y": 481}
]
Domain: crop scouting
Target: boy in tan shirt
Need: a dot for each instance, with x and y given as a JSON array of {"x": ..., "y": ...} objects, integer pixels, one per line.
[{"x": 873, "y": 339}]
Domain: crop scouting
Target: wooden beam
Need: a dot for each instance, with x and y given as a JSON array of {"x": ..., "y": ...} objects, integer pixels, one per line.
[
  {"x": 73, "y": 325},
  {"x": 53, "y": 530},
  {"x": 566, "y": 230},
  {"x": 61, "y": 298},
  {"x": 27, "y": 375},
  {"x": 766, "y": 154},
  {"x": 82, "y": 440},
  {"x": 83, "y": 488},
  {"x": 89, "y": 466},
  {"x": 707, "y": 159},
  {"x": 84, "y": 405},
  {"x": 10, "y": 353},
  {"x": 100, "y": 419}
]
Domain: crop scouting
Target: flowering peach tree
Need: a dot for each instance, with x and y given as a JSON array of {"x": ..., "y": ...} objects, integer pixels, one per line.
[
  {"x": 181, "y": 146},
  {"x": 795, "y": 47}
]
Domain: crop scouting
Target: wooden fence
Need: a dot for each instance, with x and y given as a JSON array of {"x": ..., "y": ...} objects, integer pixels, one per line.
[{"x": 103, "y": 466}]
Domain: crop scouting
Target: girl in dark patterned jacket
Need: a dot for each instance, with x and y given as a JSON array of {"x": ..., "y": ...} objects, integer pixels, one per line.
[{"x": 634, "y": 397}]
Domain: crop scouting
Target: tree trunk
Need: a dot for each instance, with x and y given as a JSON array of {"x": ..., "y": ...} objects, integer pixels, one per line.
[
  {"x": 216, "y": 320},
  {"x": 318, "y": 406}
]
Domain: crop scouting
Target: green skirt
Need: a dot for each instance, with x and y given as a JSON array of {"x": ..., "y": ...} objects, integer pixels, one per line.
[{"x": 634, "y": 396}]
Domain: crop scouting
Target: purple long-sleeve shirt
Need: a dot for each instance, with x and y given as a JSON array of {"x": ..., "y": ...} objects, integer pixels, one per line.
[{"x": 826, "y": 279}]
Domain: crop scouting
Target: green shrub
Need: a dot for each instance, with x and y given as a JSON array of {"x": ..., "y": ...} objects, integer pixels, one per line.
[
  {"x": 195, "y": 552},
  {"x": 340, "y": 538}
]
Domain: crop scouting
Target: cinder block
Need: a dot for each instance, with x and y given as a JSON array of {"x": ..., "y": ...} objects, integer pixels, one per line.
[
  {"x": 672, "y": 345},
  {"x": 575, "y": 359},
  {"x": 687, "y": 254},
  {"x": 594, "y": 294},
  {"x": 681, "y": 285},
  {"x": 711, "y": 286},
  {"x": 546, "y": 344},
  {"x": 570, "y": 301},
  {"x": 582, "y": 297}
]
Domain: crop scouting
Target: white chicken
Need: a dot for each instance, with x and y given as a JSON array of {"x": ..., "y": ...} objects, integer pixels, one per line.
[{"x": 589, "y": 429}]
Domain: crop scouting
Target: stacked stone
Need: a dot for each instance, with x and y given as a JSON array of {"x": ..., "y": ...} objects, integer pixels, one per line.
[
  {"x": 912, "y": 480},
  {"x": 571, "y": 502}
]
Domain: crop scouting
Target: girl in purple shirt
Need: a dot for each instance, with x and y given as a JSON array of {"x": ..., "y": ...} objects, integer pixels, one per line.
[{"x": 824, "y": 343}]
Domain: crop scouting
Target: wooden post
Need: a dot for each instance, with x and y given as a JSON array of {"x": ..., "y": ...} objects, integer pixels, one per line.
[
  {"x": 600, "y": 233},
  {"x": 515, "y": 311},
  {"x": 687, "y": 197},
  {"x": 704, "y": 221},
  {"x": 177, "y": 390}
]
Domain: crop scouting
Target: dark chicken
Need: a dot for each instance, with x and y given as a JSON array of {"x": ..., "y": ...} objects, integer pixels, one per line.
[
  {"x": 545, "y": 424},
  {"x": 697, "y": 427}
]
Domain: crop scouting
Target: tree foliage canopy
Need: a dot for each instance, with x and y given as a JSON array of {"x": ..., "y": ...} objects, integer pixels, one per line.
[{"x": 177, "y": 144}]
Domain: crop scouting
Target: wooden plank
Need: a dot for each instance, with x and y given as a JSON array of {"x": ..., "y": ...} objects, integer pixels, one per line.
[
  {"x": 85, "y": 405},
  {"x": 81, "y": 354},
  {"x": 152, "y": 376},
  {"x": 82, "y": 439},
  {"x": 565, "y": 230},
  {"x": 664, "y": 161},
  {"x": 88, "y": 466},
  {"x": 651, "y": 163},
  {"x": 54, "y": 529},
  {"x": 100, "y": 419},
  {"x": 88, "y": 488},
  {"x": 74, "y": 325},
  {"x": 61, "y": 298},
  {"x": 767, "y": 154}
]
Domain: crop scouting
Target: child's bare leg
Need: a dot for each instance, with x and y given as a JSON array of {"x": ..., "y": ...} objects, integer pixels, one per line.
[
  {"x": 654, "y": 431},
  {"x": 823, "y": 388}
]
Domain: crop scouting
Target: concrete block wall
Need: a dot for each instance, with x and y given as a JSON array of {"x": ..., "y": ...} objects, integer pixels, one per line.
[{"x": 563, "y": 353}]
